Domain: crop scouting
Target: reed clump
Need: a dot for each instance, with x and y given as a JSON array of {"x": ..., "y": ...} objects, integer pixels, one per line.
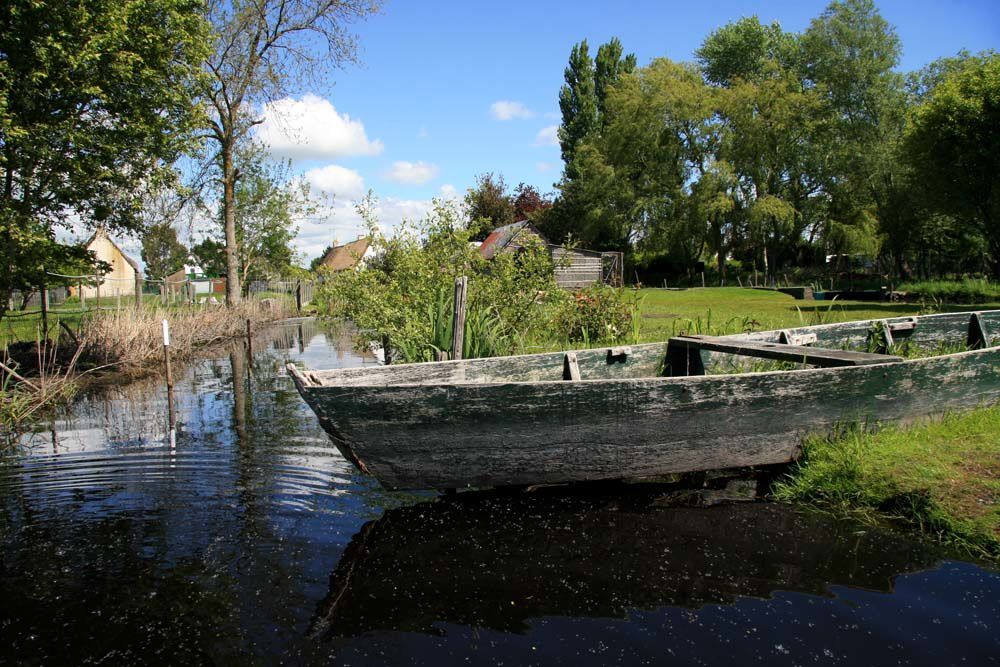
[
  {"x": 132, "y": 340},
  {"x": 51, "y": 380}
]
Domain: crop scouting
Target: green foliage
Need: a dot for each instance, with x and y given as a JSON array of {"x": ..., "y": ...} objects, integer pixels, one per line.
[
  {"x": 404, "y": 291},
  {"x": 488, "y": 205},
  {"x": 597, "y": 314},
  {"x": 95, "y": 105},
  {"x": 210, "y": 255},
  {"x": 162, "y": 253},
  {"x": 955, "y": 146},
  {"x": 269, "y": 201}
]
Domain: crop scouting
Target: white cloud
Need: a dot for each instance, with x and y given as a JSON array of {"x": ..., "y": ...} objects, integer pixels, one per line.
[
  {"x": 413, "y": 173},
  {"x": 312, "y": 128},
  {"x": 341, "y": 222},
  {"x": 548, "y": 136},
  {"x": 448, "y": 191},
  {"x": 343, "y": 183},
  {"x": 509, "y": 110}
]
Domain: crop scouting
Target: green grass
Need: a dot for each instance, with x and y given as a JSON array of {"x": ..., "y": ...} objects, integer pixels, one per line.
[
  {"x": 953, "y": 291},
  {"x": 940, "y": 476},
  {"x": 732, "y": 309}
]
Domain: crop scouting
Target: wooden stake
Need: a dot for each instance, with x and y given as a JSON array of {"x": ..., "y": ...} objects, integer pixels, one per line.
[
  {"x": 118, "y": 299},
  {"x": 458, "y": 318},
  {"x": 138, "y": 291},
  {"x": 170, "y": 378},
  {"x": 298, "y": 297},
  {"x": 83, "y": 299},
  {"x": 249, "y": 342},
  {"x": 163, "y": 293},
  {"x": 44, "y": 294},
  {"x": 386, "y": 351},
  {"x": 97, "y": 292}
]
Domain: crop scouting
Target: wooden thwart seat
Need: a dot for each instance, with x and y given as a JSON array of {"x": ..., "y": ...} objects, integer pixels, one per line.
[{"x": 683, "y": 356}]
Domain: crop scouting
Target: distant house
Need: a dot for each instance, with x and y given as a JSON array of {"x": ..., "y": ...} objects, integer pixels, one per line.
[
  {"x": 574, "y": 268},
  {"x": 124, "y": 270},
  {"x": 200, "y": 283},
  {"x": 348, "y": 256}
]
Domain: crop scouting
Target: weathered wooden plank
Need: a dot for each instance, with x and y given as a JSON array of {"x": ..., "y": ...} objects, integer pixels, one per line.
[
  {"x": 788, "y": 338},
  {"x": 450, "y": 436},
  {"x": 571, "y": 367},
  {"x": 812, "y": 356},
  {"x": 978, "y": 337},
  {"x": 458, "y": 318}
]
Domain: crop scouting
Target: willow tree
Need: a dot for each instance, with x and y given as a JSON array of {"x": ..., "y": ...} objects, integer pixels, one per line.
[{"x": 263, "y": 50}]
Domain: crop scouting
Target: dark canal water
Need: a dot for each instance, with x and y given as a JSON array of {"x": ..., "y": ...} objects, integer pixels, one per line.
[{"x": 254, "y": 542}]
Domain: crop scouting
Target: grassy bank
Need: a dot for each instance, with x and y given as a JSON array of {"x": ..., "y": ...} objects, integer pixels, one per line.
[
  {"x": 732, "y": 309},
  {"x": 941, "y": 477}
]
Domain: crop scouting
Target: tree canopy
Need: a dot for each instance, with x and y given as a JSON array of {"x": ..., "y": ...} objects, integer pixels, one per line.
[
  {"x": 95, "y": 106},
  {"x": 778, "y": 148}
]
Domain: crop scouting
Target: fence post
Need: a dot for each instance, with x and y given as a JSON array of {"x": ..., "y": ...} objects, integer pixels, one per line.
[
  {"x": 97, "y": 291},
  {"x": 44, "y": 294},
  {"x": 118, "y": 299},
  {"x": 138, "y": 291},
  {"x": 163, "y": 293},
  {"x": 298, "y": 297},
  {"x": 458, "y": 319},
  {"x": 83, "y": 299}
]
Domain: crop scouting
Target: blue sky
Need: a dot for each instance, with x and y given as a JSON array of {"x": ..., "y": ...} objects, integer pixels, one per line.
[{"x": 448, "y": 90}]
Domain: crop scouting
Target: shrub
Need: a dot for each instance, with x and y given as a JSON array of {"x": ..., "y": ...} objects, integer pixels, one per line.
[
  {"x": 406, "y": 290},
  {"x": 596, "y": 314}
]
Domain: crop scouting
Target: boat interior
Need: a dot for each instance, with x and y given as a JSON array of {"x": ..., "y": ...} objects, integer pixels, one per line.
[{"x": 841, "y": 344}]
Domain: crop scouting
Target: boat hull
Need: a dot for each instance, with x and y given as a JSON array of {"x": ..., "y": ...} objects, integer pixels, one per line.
[{"x": 480, "y": 434}]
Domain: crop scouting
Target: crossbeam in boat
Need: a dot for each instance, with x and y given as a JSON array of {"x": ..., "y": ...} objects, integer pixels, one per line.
[{"x": 683, "y": 356}]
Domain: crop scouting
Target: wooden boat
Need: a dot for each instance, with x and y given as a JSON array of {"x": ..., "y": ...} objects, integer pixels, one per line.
[{"x": 646, "y": 410}]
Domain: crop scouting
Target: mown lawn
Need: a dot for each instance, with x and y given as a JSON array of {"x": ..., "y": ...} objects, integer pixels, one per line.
[{"x": 733, "y": 309}]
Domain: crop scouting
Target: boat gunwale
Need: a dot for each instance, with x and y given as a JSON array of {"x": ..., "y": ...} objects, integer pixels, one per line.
[{"x": 357, "y": 382}]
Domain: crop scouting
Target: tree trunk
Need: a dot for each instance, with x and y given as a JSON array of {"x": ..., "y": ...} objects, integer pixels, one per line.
[
  {"x": 233, "y": 293},
  {"x": 722, "y": 267}
]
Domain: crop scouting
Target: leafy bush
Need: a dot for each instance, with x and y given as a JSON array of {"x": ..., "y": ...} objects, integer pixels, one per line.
[
  {"x": 405, "y": 291},
  {"x": 596, "y": 314}
]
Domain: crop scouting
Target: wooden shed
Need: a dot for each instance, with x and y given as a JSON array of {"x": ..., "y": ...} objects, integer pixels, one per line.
[{"x": 574, "y": 268}]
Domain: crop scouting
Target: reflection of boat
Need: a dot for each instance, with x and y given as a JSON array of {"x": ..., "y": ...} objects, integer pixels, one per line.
[
  {"x": 516, "y": 420},
  {"x": 496, "y": 562}
]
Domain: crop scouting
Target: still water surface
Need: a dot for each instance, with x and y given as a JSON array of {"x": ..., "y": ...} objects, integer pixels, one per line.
[{"x": 254, "y": 542}]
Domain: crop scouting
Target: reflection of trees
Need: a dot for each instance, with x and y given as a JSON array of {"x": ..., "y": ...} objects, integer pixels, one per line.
[{"x": 206, "y": 555}]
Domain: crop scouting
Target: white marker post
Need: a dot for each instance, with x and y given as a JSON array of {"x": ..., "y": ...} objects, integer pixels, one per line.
[{"x": 170, "y": 377}]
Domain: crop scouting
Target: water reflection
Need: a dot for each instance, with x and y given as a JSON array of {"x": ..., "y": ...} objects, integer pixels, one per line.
[
  {"x": 253, "y": 540},
  {"x": 499, "y": 561}
]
